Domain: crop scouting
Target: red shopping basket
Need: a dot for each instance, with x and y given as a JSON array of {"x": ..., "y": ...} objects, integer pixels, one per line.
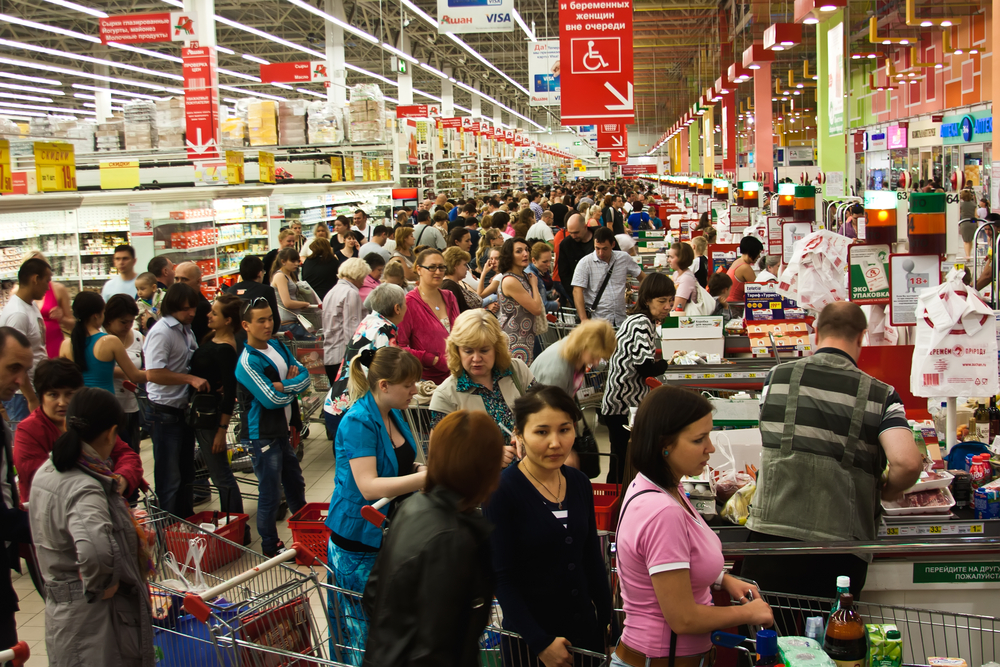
[
  {"x": 218, "y": 553},
  {"x": 308, "y": 527},
  {"x": 605, "y": 496}
]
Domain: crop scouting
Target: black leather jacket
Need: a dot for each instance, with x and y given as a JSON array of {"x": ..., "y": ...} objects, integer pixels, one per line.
[{"x": 430, "y": 592}]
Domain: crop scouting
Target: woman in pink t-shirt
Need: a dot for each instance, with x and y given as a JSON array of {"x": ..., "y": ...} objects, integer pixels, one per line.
[{"x": 668, "y": 558}]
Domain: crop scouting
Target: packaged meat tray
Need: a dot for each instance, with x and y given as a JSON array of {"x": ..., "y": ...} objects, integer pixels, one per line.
[
  {"x": 934, "y": 501},
  {"x": 935, "y": 479}
]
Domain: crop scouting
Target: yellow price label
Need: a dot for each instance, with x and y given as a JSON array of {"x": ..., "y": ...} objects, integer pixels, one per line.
[
  {"x": 119, "y": 175},
  {"x": 688, "y": 376},
  {"x": 336, "y": 169},
  {"x": 892, "y": 531},
  {"x": 727, "y": 375},
  {"x": 55, "y": 166},
  {"x": 265, "y": 161},
  {"x": 234, "y": 168},
  {"x": 774, "y": 305},
  {"x": 708, "y": 376},
  {"x": 6, "y": 180},
  {"x": 976, "y": 528},
  {"x": 934, "y": 530}
]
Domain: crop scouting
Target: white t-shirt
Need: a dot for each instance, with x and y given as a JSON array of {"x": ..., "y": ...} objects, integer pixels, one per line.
[
  {"x": 366, "y": 232},
  {"x": 540, "y": 231},
  {"x": 279, "y": 363},
  {"x": 371, "y": 247},
  {"x": 26, "y": 318},
  {"x": 119, "y": 285},
  {"x": 125, "y": 397}
]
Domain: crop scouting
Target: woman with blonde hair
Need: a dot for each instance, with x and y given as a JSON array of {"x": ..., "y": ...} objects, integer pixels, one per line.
[
  {"x": 320, "y": 231},
  {"x": 564, "y": 363},
  {"x": 375, "y": 458},
  {"x": 404, "y": 251},
  {"x": 700, "y": 266},
  {"x": 489, "y": 240},
  {"x": 483, "y": 374}
]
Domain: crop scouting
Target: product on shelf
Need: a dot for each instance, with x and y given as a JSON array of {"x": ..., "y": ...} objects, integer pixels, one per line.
[
  {"x": 76, "y": 131},
  {"x": 170, "y": 122},
  {"x": 109, "y": 134},
  {"x": 366, "y": 112},
  {"x": 324, "y": 123},
  {"x": 233, "y": 132},
  {"x": 262, "y": 120},
  {"x": 140, "y": 133},
  {"x": 292, "y": 122},
  {"x": 192, "y": 214}
]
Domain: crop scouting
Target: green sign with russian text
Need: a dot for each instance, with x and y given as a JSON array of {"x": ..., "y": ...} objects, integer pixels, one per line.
[{"x": 956, "y": 573}]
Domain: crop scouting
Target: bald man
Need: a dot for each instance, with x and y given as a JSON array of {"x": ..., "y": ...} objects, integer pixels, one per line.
[
  {"x": 579, "y": 243},
  {"x": 439, "y": 203},
  {"x": 836, "y": 443},
  {"x": 190, "y": 274}
]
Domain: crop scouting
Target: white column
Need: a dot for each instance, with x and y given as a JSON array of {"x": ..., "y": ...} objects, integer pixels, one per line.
[
  {"x": 477, "y": 102},
  {"x": 204, "y": 23},
  {"x": 448, "y": 95},
  {"x": 102, "y": 101},
  {"x": 335, "y": 60},
  {"x": 405, "y": 80}
]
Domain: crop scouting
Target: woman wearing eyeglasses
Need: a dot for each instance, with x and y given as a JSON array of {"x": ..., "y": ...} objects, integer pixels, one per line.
[{"x": 430, "y": 312}]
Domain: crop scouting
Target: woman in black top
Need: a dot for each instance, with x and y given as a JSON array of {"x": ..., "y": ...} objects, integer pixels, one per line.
[
  {"x": 215, "y": 361},
  {"x": 552, "y": 584},
  {"x": 320, "y": 268}
]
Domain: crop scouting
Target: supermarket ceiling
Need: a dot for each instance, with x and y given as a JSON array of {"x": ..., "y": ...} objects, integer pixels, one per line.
[{"x": 680, "y": 46}]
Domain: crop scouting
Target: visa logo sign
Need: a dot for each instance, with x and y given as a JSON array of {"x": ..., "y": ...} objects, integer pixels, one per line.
[{"x": 498, "y": 18}]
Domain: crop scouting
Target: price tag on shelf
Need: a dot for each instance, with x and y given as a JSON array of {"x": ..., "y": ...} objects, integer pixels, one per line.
[
  {"x": 265, "y": 161},
  {"x": 234, "y": 168},
  {"x": 55, "y": 166},
  {"x": 6, "y": 182},
  {"x": 120, "y": 175},
  {"x": 917, "y": 529}
]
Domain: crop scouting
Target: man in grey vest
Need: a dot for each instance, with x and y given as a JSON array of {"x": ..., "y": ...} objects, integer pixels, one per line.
[{"x": 828, "y": 430}]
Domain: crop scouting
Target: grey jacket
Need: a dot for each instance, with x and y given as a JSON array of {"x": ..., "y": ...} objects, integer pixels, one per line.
[
  {"x": 86, "y": 543},
  {"x": 550, "y": 368}
]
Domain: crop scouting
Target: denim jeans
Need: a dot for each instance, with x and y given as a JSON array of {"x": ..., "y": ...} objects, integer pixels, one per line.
[
  {"x": 298, "y": 331},
  {"x": 275, "y": 465},
  {"x": 351, "y": 570},
  {"x": 129, "y": 432},
  {"x": 173, "y": 458},
  {"x": 17, "y": 409},
  {"x": 230, "y": 499}
]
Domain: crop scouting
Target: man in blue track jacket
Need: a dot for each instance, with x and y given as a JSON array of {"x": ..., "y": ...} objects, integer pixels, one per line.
[{"x": 269, "y": 380}]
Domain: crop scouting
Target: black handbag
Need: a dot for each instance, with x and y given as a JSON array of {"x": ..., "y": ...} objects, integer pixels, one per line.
[
  {"x": 585, "y": 447},
  {"x": 204, "y": 412}
]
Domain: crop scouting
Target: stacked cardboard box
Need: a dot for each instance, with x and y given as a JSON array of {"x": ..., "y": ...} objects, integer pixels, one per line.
[
  {"x": 325, "y": 123},
  {"x": 232, "y": 132},
  {"x": 109, "y": 134},
  {"x": 170, "y": 122},
  {"x": 140, "y": 134},
  {"x": 367, "y": 114},
  {"x": 292, "y": 122},
  {"x": 77, "y": 131},
  {"x": 262, "y": 122}
]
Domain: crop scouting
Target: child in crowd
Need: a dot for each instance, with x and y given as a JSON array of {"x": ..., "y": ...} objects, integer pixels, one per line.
[
  {"x": 718, "y": 286},
  {"x": 148, "y": 299},
  {"x": 393, "y": 273}
]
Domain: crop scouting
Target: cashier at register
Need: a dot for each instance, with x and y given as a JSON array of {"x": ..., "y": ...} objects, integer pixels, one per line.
[{"x": 828, "y": 431}]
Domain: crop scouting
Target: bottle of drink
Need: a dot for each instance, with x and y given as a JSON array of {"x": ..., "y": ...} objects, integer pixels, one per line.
[
  {"x": 982, "y": 416},
  {"x": 843, "y": 586},
  {"x": 994, "y": 419},
  {"x": 767, "y": 649},
  {"x": 845, "y": 639}
]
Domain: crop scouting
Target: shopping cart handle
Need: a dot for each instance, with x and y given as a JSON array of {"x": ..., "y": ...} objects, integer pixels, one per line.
[
  {"x": 371, "y": 514},
  {"x": 16, "y": 655},
  {"x": 196, "y": 604},
  {"x": 727, "y": 639}
]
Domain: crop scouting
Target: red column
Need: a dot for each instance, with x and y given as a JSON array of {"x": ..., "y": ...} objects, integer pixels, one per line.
[
  {"x": 685, "y": 151},
  {"x": 728, "y": 121},
  {"x": 763, "y": 132}
]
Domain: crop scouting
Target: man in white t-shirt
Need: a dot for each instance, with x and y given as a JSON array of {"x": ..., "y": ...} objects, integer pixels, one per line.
[
  {"x": 22, "y": 314},
  {"x": 361, "y": 226},
  {"x": 124, "y": 282},
  {"x": 541, "y": 230},
  {"x": 380, "y": 234}
]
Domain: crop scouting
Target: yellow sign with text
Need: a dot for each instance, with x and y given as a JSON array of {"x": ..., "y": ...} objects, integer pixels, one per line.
[
  {"x": 265, "y": 161},
  {"x": 120, "y": 175},
  {"x": 234, "y": 168},
  {"x": 6, "y": 184},
  {"x": 55, "y": 166},
  {"x": 336, "y": 169}
]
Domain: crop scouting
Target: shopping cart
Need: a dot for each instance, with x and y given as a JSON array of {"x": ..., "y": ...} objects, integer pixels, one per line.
[
  {"x": 418, "y": 418},
  {"x": 16, "y": 656},
  {"x": 565, "y": 320}
]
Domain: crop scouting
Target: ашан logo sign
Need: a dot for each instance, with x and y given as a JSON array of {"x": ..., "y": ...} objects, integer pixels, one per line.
[{"x": 460, "y": 20}]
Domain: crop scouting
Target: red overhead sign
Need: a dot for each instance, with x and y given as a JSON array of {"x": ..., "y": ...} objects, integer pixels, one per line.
[
  {"x": 412, "y": 111},
  {"x": 595, "y": 59},
  {"x": 619, "y": 156},
  {"x": 298, "y": 72},
  {"x": 138, "y": 28},
  {"x": 636, "y": 169},
  {"x": 201, "y": 102},
  {"x": 450, "y": 123},
  {"x": 612, "y": 136}
]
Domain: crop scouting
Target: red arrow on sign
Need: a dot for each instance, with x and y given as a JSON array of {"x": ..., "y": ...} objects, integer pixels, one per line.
[
  {"x": 619, "y": 156},
  {"x": 611, "y": 136}
]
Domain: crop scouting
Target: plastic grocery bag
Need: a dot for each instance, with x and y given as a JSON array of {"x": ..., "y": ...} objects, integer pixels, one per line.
[
  {"x": 955, "y": 352},
  {"x": 167, "y": 596},
  {"x": 815, "y": 276},
  {"x": 737, "y": 508},
  {"x": 728, "y": 480}
]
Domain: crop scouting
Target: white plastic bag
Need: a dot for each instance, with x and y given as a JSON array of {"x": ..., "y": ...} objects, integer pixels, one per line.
[{"x": 815, "y": 276}]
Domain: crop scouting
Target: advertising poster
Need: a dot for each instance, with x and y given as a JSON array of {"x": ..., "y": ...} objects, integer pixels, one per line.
[
  {"x": 543, "y": 73},
  {"x": 869, "y": 274},
  {"x": 462, "y": 16},
  {"x": 835, "y": 78},
  {"x": 774, "y": 246},
  {"x": 764, "y": 303},
  {"x": 909, "y": 275}
]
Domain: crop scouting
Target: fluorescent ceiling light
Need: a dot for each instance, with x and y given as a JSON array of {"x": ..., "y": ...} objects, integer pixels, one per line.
[
  {"x": 391, "y": 99},
  {"x": 94, "y": 106},
  {"x": 31, "y": 89},
  {"x": 49, "y": 28},
  {"x": 461, "y": 108},
  {"x": 435, "y": 71},
  {"x": 11, "y": 113},
  {"x": 253, "y": 93},
  {"x": 84, "y": 75},
  {"x": 260, "y": 33},
  {"x": 419, "y": 12},
  {"x": 117, "y": 92},
  {"x": 306, "y": 91},
  {"x": 222, "y": 49},
  {"x": 96, "y": 61},
  {"x": 80, "y": 8},
  {"x": 255, "y": 59},
  {"x": 41, "y": 108},
  {"x": 393, "y": 50},
  {"x": 282, "y": 85},
  {"x": 475, "y": 54},
  {"x": 26, "y": 98},
  {"x": 334, "y": 20},
  {"x": 428, "y": 95},
  {"x": 146, "y": 52},
  {"x": 359, "y": 70},
  {"x": 524, "y": 26},
  {"x": 33, "y": 79},
  {"x": 240, "y": 75}
]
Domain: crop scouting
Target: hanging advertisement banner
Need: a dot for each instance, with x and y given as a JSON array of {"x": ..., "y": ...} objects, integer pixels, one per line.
[
  {"x": 612, "y": 137},
  {"x": 6, "y": 183},
  {"x": 543, "y": 73},
  {"x": 303, "y": 71},
  {"x": 835, "y": 78},
  {"x": 595, "y": 55},
  {"x": 55, "y": 166},
  {"x": 462, "y": 16},
  {"x": 412, "y": 111},
  {"x": 201, "y": 102},
  {"x": 265, "y": 161},
  {"x": 140, "y": 28},
  {"x": 868, "y": 276},
  {"x": 637, "y": 169}
]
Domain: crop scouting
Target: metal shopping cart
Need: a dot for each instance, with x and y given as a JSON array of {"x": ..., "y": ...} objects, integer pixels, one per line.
[
  {"x": 565, "y": 320},
  {"x": 418, "y": 418},
  {"x": 16, "y": 655}
]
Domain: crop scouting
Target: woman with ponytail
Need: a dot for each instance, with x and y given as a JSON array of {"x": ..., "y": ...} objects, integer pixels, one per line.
[
  {"x": 92, "y": 554},
  {"x": 376, "y": 457},
  {"x": 94, "y": 351}
]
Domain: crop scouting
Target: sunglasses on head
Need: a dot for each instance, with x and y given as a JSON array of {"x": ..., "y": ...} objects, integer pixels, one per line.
[{"x": 253, "y": 303}]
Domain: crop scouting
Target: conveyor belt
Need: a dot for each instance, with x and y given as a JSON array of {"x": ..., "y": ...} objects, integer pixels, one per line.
[{"x": 741, "y": 374}]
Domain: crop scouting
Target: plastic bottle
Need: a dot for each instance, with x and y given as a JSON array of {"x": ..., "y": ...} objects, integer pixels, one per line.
[
  {"x": 845, "y": 639},
  {"x": 814, "y": 628},
  {"x": 843, "y": 586},
  {"x": 767, "y": 649},
  {"x": 982, "y": 416}
]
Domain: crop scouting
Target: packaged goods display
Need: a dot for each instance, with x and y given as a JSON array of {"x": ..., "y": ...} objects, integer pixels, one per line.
[
  {"x": 324, "y": 122},
  {"x": 292, "y": 122},
  {"x": 77, "y": 131},
  {"x": 366, "y": 114},
  {"x": 169, "y": 121},
  {"x": 140, "y": 128},
  {"x": 109, "y": 134},
  {"x": 262, "y": 120}
]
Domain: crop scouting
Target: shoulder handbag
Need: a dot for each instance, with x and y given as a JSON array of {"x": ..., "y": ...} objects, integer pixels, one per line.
[
  {"x": 705, "y": 305},
  {"x": 420, "y": 236},
  {"x": 600, "y": 292},
  {"x": 586, "y": 449}
]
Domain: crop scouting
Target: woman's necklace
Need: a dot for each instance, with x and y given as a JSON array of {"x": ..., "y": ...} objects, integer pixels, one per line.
[
  {"x": 427, "y": 301},
  {"x": 554, "y": 495}
]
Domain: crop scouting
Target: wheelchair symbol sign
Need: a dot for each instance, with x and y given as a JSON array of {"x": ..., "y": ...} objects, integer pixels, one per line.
[{"x": 596, "y": 55}]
